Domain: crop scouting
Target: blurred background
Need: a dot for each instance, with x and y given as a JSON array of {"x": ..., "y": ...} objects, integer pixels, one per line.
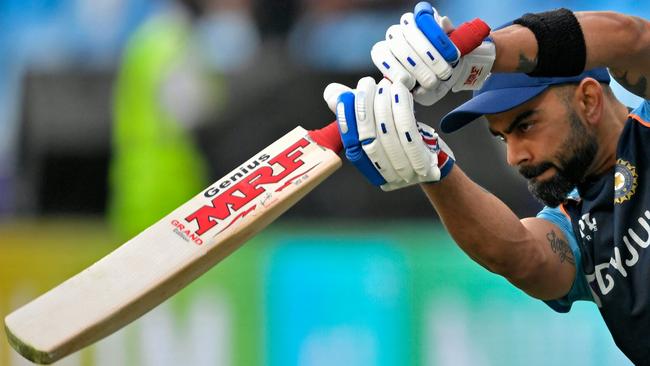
[{"x": 113, "y": 112}]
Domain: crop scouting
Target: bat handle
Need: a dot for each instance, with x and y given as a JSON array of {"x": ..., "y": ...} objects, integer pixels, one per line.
[
  {"x": 469, "y": 35},
  {"x": 328, "y": 137}
]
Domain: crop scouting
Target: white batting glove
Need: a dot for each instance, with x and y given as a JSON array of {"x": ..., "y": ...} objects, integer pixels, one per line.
[
  {"x": 418, "y": 54},
  {"x": 382, "y": 138}
]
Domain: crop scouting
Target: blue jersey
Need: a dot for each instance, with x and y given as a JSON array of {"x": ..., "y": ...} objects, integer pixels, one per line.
[{"x": 608, "y": 227}]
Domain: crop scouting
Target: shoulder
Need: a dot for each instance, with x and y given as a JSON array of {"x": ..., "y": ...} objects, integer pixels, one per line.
[{"x": 559, "y": 215}]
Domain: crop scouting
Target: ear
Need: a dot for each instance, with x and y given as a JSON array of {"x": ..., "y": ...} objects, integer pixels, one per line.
[{"x": 590, "y": 97}]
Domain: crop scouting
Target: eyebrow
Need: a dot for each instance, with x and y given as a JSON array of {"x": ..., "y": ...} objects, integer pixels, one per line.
[{"x": 522, "y": 116}]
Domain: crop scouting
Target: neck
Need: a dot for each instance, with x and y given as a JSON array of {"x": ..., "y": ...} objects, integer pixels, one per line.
[{"x": 608, "y": 135}]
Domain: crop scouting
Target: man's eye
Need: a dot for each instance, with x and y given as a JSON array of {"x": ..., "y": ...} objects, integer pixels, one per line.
[
  {"x": 500, "y": 138},
  {"x": 524, "y": 126}
]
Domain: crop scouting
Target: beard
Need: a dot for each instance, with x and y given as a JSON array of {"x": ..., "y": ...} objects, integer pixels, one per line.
[{"x": 571, "y": 167}]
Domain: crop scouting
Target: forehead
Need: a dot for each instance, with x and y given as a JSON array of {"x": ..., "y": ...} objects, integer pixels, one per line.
[{"x": 546, "y": 103}]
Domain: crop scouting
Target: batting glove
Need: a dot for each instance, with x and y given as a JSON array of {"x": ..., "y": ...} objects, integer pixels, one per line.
[
  {"x": 419, "y": 54},
  {"x": 382, "y": 138}
]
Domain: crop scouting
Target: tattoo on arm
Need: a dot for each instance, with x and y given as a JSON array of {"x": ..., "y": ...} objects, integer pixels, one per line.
[
  {"x": 639, "y": 87},
  {"x": 526, "y": 64},
  {"x": 560, "y": 247}
]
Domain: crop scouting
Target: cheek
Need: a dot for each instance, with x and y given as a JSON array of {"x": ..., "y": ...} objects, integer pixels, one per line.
[
  {"x": 544, "y": 150},
  {"x": 553, "y": 143},
  {"x": 560, "y": 156}
]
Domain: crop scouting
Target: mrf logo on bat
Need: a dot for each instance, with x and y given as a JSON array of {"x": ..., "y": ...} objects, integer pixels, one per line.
[{"x": 233, "y": 193}]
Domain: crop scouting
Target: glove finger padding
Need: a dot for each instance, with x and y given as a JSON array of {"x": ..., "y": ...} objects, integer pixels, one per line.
[
  {"x": 365, "y": 116},
  {"x": 409, "y": 58},
  {"x": 387, "y": 133},
  {"x": 389, "y": 66},
  {"x": 423, "y": 48},
  {"x": 423, "y": 162}
]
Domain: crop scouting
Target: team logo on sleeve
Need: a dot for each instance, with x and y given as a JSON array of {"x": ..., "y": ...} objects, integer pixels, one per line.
[{"x": 624, "y": 181}]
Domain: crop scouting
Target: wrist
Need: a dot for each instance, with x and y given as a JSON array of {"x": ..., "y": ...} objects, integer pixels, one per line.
[
  {"x": 433, "y": 189},
  {"x": 515, "y": 49},
  {"x": 561, "y": 44}
]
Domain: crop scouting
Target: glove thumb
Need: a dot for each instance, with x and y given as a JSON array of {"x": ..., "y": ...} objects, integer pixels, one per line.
[
  {"x": 444, "y": 23},
  {"x": 331, "y": 94}
]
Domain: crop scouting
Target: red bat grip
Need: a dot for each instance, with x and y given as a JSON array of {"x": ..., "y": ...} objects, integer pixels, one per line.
[
  {"x": 328, "y": 137},
  {"x": 466, "y": 37},
  {"x": 469, "y": 35}
]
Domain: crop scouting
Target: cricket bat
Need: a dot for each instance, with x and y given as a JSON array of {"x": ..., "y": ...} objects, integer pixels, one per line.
[
  {"x": 183, "y": 245},
  {"x": 171, "y": 253}
]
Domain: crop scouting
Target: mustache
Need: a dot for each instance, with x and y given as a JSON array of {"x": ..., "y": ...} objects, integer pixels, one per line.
[{"x": 532, "y": 171}]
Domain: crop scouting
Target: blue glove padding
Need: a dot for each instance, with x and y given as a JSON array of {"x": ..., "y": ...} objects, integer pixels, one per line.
[
  {"x": 347, "y": 122},
  {"x": 435, "y": 34}
]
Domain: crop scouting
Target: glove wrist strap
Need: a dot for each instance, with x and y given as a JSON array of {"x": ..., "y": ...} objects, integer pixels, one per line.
[{"x": 474, "y": 68}]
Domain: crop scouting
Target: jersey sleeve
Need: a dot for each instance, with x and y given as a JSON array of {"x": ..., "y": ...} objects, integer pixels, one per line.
[
  {"x": 580, "y": 288},
  {"x": 642, "y": 111}
]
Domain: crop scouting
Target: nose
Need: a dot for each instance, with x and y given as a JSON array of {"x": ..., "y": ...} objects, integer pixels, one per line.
[{"x": 517, "y": 152}]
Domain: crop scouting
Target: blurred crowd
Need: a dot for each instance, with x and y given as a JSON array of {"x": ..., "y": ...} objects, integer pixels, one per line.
[{"x": 129, "y": 107}]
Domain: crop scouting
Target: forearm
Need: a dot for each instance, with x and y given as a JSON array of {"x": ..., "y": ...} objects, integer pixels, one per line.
[
  {"x": 617, "y": 41},
  {"x": 482, "y": 225}
]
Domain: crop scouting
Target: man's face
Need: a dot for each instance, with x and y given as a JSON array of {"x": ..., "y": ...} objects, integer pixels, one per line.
[{"x": 549, "y": 143}]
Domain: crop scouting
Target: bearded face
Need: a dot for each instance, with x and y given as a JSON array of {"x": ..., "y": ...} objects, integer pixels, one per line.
[{"x": 570, "y": 165}]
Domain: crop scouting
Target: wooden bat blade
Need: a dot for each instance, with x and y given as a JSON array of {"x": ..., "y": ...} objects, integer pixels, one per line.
[{"x": 171, "y": 253}]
